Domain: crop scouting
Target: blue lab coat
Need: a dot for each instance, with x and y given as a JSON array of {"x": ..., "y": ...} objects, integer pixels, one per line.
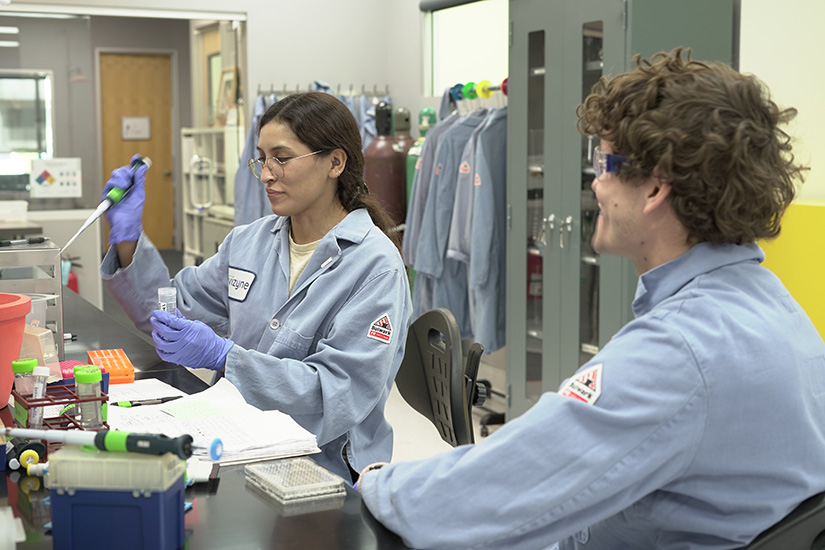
[
  {"x": 323, "y": 354},
  {"x": 488, "y": 246},
  {"x": 703, "y": 424},
  {"x": 449, "y": 289},
  {"x": 251, "y": 202}
]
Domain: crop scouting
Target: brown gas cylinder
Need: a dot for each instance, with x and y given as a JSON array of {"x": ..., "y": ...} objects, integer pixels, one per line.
[{"x": 384, "y": 167}]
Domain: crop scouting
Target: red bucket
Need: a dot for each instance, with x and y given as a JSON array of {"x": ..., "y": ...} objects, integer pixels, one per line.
[{"x": 13, "y": 311}]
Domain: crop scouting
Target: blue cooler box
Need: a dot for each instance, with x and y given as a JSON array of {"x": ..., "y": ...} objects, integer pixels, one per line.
[{"x": 127, "y": 501}]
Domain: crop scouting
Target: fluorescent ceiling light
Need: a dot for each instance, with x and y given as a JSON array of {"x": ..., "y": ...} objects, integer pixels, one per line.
[
  {"x": 9, "y": 44},
  {"x": 6, "y": 11},
  {"x": 9, "y": 30},
  {"x": 57, "y": 11}
]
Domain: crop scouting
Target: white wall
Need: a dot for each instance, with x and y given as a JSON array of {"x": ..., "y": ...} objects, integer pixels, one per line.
[
  {"x": 358, "y": 42},
  {"x": 379, "y": 42},
  {"x": 780, "y": 44}
]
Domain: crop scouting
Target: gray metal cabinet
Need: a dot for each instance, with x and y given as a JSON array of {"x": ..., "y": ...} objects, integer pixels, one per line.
[{"x": 564, "y": 301}]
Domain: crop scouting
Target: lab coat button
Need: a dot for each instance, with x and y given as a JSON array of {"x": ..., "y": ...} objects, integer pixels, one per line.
[{"x": 275, "y": 324}]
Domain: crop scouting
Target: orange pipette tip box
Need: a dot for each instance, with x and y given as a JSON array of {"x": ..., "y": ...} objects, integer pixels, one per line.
[{"x": 115, "y": 362}]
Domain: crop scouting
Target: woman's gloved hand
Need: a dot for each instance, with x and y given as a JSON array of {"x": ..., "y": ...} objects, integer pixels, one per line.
[
  {"x": 188, "y": 343},
  {"x": 125, "y": 217}
]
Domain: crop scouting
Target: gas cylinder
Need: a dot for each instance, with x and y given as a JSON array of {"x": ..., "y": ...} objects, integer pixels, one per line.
[
  {"x": 401, "y": 139},
  {"x": 384, "y": 167}
]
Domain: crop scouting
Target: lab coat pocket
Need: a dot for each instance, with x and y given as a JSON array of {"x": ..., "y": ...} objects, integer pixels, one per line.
[{"x": 290, "y": 344}]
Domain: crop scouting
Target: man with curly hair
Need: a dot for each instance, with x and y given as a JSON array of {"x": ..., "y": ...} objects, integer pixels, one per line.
[{"x": 702, "y": 422}]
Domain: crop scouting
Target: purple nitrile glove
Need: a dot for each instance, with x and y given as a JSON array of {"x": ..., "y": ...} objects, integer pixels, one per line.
[
  {"x": 188, "y": 343},
  {"x": 125, "y": 217}
]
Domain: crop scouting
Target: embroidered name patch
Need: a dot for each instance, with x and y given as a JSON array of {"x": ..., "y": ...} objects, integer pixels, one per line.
[
  {"x": 585, "y": 386},
  {"x": 381, "y": 329},
  {"x": 240, "y": 281}
]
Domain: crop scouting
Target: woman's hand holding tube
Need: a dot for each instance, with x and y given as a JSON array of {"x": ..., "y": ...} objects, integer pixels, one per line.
[{"x": 189, "y": 343}]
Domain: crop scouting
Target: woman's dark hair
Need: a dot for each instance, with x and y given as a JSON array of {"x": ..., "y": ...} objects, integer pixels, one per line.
[
  {"x": 323, "y": 123},
  {"x": 713, "y": 132}
]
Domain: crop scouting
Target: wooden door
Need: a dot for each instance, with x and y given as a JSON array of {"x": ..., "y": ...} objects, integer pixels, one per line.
[{"x": 137, "y": 85}]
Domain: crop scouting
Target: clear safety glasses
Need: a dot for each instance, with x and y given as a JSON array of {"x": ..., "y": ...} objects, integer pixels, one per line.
[
  {"x": 606, "y": 162},
  {"x": 273, "y": 164}
]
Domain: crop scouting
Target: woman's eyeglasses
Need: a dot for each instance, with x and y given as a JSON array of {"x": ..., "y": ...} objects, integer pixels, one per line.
[{"x": 273, "y": 164}]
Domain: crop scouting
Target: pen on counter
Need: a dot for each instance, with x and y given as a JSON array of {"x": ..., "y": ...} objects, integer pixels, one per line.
[
  {"x": 30, "y": 240},
  {"x": 139, "y": 402}
]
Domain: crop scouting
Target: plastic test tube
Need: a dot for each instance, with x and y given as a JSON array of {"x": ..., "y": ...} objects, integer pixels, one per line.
[
  {"x": 23, "y": 381},
  {"x": 168, "y": 299},
  {"x": 87, "y": 385},
  {"x": 39, "y": 375}
]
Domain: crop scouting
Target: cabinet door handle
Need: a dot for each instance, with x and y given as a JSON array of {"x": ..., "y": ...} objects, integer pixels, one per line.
[
  {"x": 568, "y": 224},
  {"x": 548, "y": 222}
]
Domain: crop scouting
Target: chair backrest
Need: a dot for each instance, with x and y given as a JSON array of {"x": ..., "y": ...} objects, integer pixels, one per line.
[
  {"x": 433, "y": 379},
  {"x": 802, "y": 529}
]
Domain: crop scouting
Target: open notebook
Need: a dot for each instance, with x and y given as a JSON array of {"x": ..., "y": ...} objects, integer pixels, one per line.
[{"x": 248, "y": 434}]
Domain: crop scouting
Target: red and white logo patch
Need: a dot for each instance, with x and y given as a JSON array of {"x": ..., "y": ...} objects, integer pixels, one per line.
[
  {"x": 438, "y": 169},
  {"x": 381, "y": 329},
  {"x": 464, "y": 168},
  {"x": 585, "y": 386},
  {"x": 477, "y": 180}
]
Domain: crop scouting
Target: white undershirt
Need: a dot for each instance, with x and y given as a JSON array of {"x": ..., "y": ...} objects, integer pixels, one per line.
[{"x": 299, "y": 255}]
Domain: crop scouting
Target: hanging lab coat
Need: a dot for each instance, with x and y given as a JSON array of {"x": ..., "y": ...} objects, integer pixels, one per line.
[{"x": 251, "y": 202}]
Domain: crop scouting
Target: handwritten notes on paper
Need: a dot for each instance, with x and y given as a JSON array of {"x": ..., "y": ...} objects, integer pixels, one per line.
[{"x": 248, "y": 434}]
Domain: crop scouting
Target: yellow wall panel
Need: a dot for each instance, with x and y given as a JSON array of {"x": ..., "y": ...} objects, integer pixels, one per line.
[{"x": 797, "y": 257}]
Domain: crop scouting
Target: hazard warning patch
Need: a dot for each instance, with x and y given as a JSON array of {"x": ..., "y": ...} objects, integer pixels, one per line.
[
  {"x": 381, "y": 329},
  {"x": 585, "y": 386}
]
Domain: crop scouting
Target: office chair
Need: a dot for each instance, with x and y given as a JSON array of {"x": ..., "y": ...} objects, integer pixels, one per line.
[
  {"x": 802, "y": 529},
  {"x": 434, "y": 380}
]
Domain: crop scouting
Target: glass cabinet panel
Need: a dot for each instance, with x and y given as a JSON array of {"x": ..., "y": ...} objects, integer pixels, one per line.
[
  {"x": 592, "y": 66},
  {"x": 536, "y": 224}
]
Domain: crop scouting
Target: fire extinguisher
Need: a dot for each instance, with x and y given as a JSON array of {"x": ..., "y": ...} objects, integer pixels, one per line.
[{"x": 69, "y": 276}]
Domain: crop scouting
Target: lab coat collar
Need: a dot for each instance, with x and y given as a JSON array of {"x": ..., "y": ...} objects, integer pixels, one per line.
[
  {"x": 665, "y": 280},
  {"x": 353, "y": 228}
]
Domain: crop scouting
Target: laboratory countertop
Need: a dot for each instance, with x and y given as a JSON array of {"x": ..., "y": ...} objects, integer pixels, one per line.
[
  {"x": 226, "y": 512},
  {"x": 19, "y": 229}
]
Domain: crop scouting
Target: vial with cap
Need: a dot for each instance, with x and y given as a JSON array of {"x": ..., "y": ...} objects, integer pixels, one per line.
[
  {"x": 39, "y": 375},
  {"x": 87, "y": 386},
  {"x": 23, "y": 381},
  {"x": 168, "y": 299}
]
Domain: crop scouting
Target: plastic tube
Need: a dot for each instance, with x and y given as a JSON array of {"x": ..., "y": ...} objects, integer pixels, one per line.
[
  {"x": 168, "y": 299},
  {"x": 39, "y": 375},
  {"x": 23, "y": 381},
  {"x": 87, "y": 385}
]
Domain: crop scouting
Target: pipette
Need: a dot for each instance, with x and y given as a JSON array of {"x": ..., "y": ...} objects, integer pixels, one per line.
[
  {"x": 112, "y": 197},
  {"x": 115, "y": 440}
]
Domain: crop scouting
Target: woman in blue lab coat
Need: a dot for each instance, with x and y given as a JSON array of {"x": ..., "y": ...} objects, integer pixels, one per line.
[{"x": 306, "y": 311}]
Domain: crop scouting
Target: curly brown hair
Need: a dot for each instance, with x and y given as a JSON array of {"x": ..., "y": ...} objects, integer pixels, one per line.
[
  {"x": 323, "y": 123},
  {"x": 710, "y": 130}
]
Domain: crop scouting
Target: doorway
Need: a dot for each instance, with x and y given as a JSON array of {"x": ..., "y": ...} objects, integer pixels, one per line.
[{"x": 136, "y": 117}]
